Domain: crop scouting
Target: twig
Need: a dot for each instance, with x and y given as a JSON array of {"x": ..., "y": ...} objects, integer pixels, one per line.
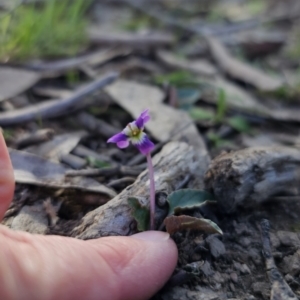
[
  {"x": 73, "y": 161},
  {"x": 133, "y": 40},
  {"x": 40, "y": 136},
  {"x": 280, "y": 289},
  {"x": 64, "y": 65},
  {"x": 240, "y": 70},
  {"x": 107, "y": 171},
  {"x": 54, "y": 108},
  {"x": 126, "y": 180},
  {"x": 86, "y": 152},
  {"x": 96, "y": 125}
]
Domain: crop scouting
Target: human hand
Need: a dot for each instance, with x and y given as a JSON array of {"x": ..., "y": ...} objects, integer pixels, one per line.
[{"x": 54, "y": 267}]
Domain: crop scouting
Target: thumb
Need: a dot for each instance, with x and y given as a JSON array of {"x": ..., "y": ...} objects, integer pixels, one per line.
[
  {"x": 7, "y": 182},
  {"x": 54, "y": 267}
]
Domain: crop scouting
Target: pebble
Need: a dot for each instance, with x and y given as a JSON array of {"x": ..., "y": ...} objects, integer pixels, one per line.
[
  {"x": 288, "y": 238},
  {"x": 216, "y": 247},
  {"x": 261, "y": 288},
  {"x": 234, "y": 277},
  {"x": 275, "y": 242},
  {"x": 232, "y": 287},
  {"x": 245, "y": 241},
  {"x": 291, "y": 264},
  {"x": 218, "y": 278},
  {"x": 206, "y": 269}
]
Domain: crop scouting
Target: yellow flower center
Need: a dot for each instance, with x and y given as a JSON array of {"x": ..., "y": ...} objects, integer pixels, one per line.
[{"x": 134, "y": 132}]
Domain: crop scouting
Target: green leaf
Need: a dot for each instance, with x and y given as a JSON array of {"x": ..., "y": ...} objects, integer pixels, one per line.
[
  {"x": 221, "y": 106},
  {"x": 183, "y": 222},
  {"x": 96, "y": 163},
  {"x": 187, "y": 97},
  {"x": 198, "y": 113},
  {"x": 140, "y": 213},
  {"x": 187, "y": 199},
  {"x": 239, "y": 124}
]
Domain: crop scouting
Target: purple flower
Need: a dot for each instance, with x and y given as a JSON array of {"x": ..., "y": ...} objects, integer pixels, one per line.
[{"x": 133, "y": 133}]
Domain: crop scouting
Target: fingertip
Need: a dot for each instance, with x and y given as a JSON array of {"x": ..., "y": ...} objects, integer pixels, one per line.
[
  {"x": 7, "y": 181},
  {"x": 143, "y": 262}
]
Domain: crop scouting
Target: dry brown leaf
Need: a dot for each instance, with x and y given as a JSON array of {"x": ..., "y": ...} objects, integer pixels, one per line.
[
  {"x": 183, "y": 222},
  {"x": 15, "y": 81}
]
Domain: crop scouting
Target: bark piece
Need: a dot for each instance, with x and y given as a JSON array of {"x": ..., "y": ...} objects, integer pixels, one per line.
[
  {"x": 250, "y": 176},
  {"x": 170, "y": 165},
  {"x": 166, "y": 122}
]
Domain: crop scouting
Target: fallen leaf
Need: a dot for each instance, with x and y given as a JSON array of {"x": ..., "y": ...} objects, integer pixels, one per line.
[
  {"x": 166, "y": 122},
  {"x": 10, "y": 87},
  {"x": 35, "y": 170},
  {"x": 183, "y": 222},
  {"x": 60, "y": 145}
]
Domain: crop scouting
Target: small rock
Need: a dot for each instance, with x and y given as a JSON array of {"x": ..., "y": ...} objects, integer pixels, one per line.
[
  {"x": 261, "y": 288},
  {"x": 245, "y": 241},
  {"x": 288, "y": 238},
  {"x": 241, "y": 229},
  {"x": 275, "y": 242},
  {"x": 245, "y": 269},
  {"x": 216, "y": 247},
  {"x": 206, "y": 269},
  {"x": 200, "y": 293},
  {"x": 232, "y": 287},
  {"x": 196, "y": 257},
  {"x": 289, "y": 278},
  {"x": 32, "y": 219},
  {"x": 218, "y": 277},
  {"x": 291, "y": 264},
  {"x": 234, "y": 277}
]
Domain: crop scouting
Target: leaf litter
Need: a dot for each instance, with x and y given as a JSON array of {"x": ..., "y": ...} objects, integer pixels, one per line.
[{"x": 203, "y": 101}]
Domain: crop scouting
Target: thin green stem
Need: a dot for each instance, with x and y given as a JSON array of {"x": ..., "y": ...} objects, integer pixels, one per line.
[{"x": 152, "y": 191}]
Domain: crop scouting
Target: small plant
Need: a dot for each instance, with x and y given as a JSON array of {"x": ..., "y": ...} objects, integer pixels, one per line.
[
  {"x": 56, "y": 28},
  {"x": 134, "y": 133}
]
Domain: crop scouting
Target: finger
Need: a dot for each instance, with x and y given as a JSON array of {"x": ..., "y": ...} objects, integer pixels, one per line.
[
  {"x": 7, "y": 182},
  {"x": 111, "y": 268}
]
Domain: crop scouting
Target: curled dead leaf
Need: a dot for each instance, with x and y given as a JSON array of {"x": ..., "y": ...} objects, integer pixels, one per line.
[{"x": 183, "y": 222}]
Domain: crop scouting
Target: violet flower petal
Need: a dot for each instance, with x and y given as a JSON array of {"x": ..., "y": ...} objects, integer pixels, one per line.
[
  {"x": 119, "y": 137},
  {"x": 142, "y": 119},
  {"x": 145, "y": 145},
  {"x": 123, "y": 144}
]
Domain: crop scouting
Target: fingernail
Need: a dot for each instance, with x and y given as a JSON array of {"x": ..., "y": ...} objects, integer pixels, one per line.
[{"x": 153, "y": 236}]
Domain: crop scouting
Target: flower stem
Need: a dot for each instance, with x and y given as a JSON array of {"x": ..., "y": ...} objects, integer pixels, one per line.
[{"x": 152, "y": 191}]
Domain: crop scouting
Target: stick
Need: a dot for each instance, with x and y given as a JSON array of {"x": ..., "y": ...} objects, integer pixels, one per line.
[
  {"x": 54, "y": 108},
  {"x": 280, "y": 289}
]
